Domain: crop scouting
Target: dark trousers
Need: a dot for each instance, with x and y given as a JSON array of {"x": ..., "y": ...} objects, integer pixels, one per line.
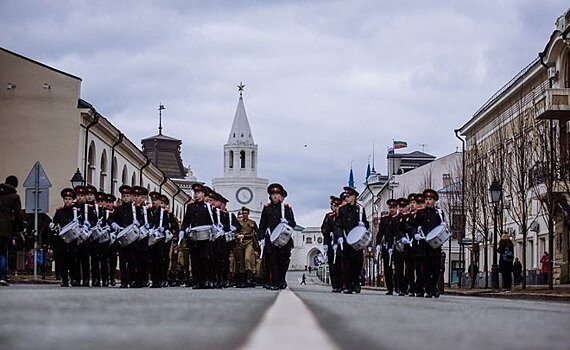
[
  {"x": 199, "y": 257},
  {"x": 335, "y": 270},
  {"x": 388, "y": 271},
  {"x": 432, "y": 271},
  {"x": 420, "y": 266},
  {"x": 156, "y": 263},
  {"x": 113, "y": 254},
  {"x": 165, "y": 260},
  {"x": 352, "y": 261},
  {"x": 410, "y": 271},
  {"x": 142, "y": 260},
  {"x": 507, "y": 273},
  {"x": 83, "y": 256},
  {"x": 100, "y": 262},
  {"x": 401, "y": 282},
  {"x": 127, "y": 264},
  {"x": 69, "y": 267},
  {"x": 94, "y": 254},
  {"x": 279, "y": 260}
]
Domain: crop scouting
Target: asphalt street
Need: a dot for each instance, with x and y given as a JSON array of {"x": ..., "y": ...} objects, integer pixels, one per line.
[{"x": 50, "y": 317}]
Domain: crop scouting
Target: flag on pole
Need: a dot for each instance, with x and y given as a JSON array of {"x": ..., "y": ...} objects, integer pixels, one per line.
[{"x": 400, "y": 144}]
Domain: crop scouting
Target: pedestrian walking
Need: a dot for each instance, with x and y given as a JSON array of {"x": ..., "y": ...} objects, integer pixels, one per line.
[
  {"x": 11, "y": 221},
  {"x": 506, "y": 258},
  {"x": 544, "y": 268},
  {"x": 304, "y": 279},
  {"x": 517, "y": 271}
]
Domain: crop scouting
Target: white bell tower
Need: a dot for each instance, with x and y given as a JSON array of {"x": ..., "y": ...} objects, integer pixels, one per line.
[{"x": 240, "y": 184}]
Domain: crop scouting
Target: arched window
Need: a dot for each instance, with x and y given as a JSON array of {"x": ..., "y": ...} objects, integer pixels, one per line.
[
  {"x": 242, "y": 159},
  {"x": 90, "y": 163},
  {"x": 103, "y": 171},
  {"x": 114, "y": 178},
  {"x": 231, "y": 160},
  {"x": 125, "y": 177},
  {"x": 134, "y": 179},
  {"x": 567, "y": 82},
  {"x": 253, "y": 159}
]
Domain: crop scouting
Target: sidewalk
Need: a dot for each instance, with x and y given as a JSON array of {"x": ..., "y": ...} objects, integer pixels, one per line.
[
  {"x": 541, "y": 292},
  {"x": 29, "y": 279}
]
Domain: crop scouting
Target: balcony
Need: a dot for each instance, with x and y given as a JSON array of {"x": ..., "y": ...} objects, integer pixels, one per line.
[{"x": 553, "y": 104}]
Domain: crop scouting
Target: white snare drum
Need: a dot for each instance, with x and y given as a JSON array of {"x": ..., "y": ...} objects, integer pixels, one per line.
[
  {"x": 70, "y": 232},
  {"x": 200, "y": 233},
  {"x": 359, "y": 237},
  {"x": 96, "y": 233},
  {"x": 143, "y": 232},
  {"x": 105, "y": 235},
  {"x": 84, "y": 235},
  {"x": 438, "y": 236},
  {"x": 230, "y": 236},
  {"x": 128, "y": 235},
  {"x": 167, "y": 236},
  {"x": 281, "y": 234},
  {"x": 154, "y": 236}
]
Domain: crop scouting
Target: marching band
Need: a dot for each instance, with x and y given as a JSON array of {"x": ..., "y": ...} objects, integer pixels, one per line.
[{"x": 213, "y": 248}]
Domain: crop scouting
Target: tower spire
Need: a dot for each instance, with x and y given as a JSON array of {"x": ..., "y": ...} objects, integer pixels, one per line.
[
  {"x": 351, "y": 177},
  {"x": 240, "y": 132},
  {"x": 160, "y": 109}
]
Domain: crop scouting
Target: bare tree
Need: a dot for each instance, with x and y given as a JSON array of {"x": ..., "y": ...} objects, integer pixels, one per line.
[
  {"x": 471, "y": 195},
  {"x": 545, "y": 175}
]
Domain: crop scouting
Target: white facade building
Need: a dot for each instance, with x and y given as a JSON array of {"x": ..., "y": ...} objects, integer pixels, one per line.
[
  {"x": 240, "y": 184},
  {"x": 308, "y": 247}
]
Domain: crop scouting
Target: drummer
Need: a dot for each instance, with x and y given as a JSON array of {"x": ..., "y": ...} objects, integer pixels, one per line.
[
  {"x": 100, "y": 251},
  {"x": 121, "y": 218},
  {"x": 350, "y": 215},
  {"x": 428, "y": 219},
  {"x": 271, "y": 216},
  {"x": 198, "y": 213},
  {"x": 401, "y": 240},
  {"x": 387, "y": 229},
  {"x": 67, "y": 252},
  {"x": 113, "y": 244},
  {"x": 329, "y": 244},
  {"x": 409, "y": 260},
  {"x": 142, "y": 255},
  {"x": 87, "y": 217}
]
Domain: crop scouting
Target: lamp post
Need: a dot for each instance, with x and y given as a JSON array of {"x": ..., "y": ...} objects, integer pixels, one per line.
[
  {"x": 369, "y": 248},
  {"x": 77, "y": 179},
  {"x": 496, "y": 191}
]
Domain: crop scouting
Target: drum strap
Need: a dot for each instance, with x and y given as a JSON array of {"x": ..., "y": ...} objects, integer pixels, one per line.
[
  {"x": 161, "y": 217},
  {"x": 218, "y": 214},
  {"x": 134, "y": 212},
  {"x": 97, "y": 210},
  {"x": 282, "y": 210},
  {"x": 74, "y": 214},
  {"x": 86, "y": 213},
  {"x": 440, "y": 212},
  {"x": 145, "y": 213},
  {"x": 210, "y": 212}
]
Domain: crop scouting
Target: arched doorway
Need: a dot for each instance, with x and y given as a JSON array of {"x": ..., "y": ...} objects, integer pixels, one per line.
[{"x": 314, "y": 257}]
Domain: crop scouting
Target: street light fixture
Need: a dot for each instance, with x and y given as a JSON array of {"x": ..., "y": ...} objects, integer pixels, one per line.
[
  {"x": 77, "y": 179},
  {"x": 496, "y": 191}
]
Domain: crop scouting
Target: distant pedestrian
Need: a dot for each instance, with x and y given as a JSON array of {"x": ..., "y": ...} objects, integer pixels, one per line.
[
  {"x": 11, "y": 221},
  {"x": 544, "y": 268},
  {"x": 310, "y": 269},
  {"x": 517, "y": 271},
  {"x": 304, "y": 280},
  {"x": 507, "y": 256}
]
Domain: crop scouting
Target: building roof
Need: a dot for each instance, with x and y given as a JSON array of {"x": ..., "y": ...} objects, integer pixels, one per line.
[
  {"x": 240, "y": 132},
  {"x": 40, "y": 64},
  {"x": 415, "y": 154},
  {"x": 160, "y": 137}
]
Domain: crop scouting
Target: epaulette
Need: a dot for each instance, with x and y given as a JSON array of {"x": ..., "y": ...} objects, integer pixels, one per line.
[
  {"x": 385, "y": 216},
  {"x": 266, "y": 205},
  {"x": 331, "y": 213}
]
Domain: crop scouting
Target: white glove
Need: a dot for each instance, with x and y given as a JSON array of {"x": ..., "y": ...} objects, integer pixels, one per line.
[
  {"x": 417, "y": 237},
  {"x": 340, "y": 242},
  {"x": 99, "y": 222},
  {"x": 360, "y": 223},
  {"x": 51, "y": 225},
  {"x": 378, "y": 249},
  {"x": 233, "y": 228},
  {"x": 137, "y": 223},
  {"x": 284, "y": 221},
  {"x": 87, "y": 224},
  {"x": 181, "y": 236},
  {"x": 390, "y": 251},
  {"x": 160, "y": 229},
  {"x": 115, "y": 226},
  {"x": 147, "y": 226},
  {"x": 326, "y": 249},
  {"x": 262, "y": 243}
]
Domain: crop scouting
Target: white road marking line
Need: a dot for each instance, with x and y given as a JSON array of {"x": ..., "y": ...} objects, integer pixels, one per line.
[{"x": 288, "y": 324}]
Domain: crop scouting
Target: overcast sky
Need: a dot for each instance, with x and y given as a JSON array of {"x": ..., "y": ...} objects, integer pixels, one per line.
[{"x": 335, "y": 76}]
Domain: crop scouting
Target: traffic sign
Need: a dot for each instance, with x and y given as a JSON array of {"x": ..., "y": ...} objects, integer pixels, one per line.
[
  {"x": 37, "y": 178},
  {"x": 42, "y": 203}
]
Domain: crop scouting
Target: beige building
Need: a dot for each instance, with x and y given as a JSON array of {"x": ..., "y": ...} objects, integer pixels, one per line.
[
  {"x": 520, "y": 138},
  {"x": 43, "y": 118}
]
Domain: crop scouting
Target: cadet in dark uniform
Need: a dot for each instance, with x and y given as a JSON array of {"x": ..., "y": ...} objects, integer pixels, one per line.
[
  {"x": 350, "y": 215},
  {"x": 121, "y": 218},
  {"x": 142, "y": 255},
  {"x": 244, "y": 250},
  {"x": 88, "y": 218},
  {"x": 100, "y": 254},
  {"x": 67, "y": 252},
  {"x": 387, "y": 229},
  {"x": 428, "y": 219},
  {"x": 398, "y": 255},
  {"x": 174, "y": 227},
  {"x": 408, "y": 255},
  {"x": 271, "y": 216},
  {"x": 330, "y": 245},
  {"x": 198, "y": 213},
  {"x": 419, "y": 247},
  {"x": 113, "y": 244},
  {"x": 160, "y": 222}
]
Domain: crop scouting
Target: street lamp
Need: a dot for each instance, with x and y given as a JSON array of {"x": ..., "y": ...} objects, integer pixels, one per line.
[
  {"x": 77, "y": 179},
  {"x": 496, "y": 191}
]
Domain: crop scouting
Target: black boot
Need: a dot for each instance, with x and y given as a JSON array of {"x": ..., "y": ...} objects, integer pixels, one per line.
[{"x": 249, "y": 281}]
